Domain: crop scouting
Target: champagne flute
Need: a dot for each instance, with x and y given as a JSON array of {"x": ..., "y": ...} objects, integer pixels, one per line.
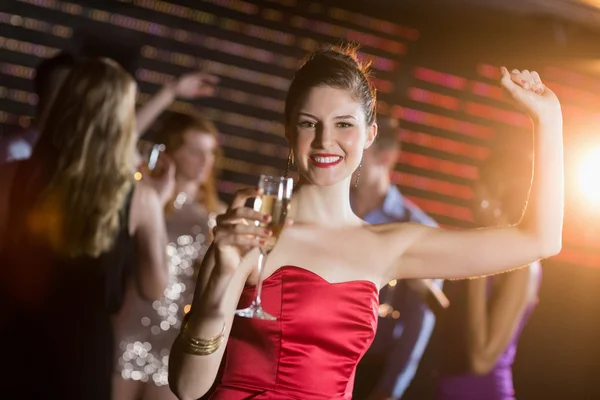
[{"x": 275, "y": 201}]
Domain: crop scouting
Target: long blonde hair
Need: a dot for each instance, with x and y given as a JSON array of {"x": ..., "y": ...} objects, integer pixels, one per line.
[
  {"x": 91, "y": 130},
  {"x": 171, "y": 132}
]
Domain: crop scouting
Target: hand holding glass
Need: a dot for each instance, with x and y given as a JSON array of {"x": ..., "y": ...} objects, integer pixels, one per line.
[{"x": 275, "y": 201}]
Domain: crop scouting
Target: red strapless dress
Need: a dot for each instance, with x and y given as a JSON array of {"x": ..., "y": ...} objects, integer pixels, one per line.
[{"x": 311, "y": 351}]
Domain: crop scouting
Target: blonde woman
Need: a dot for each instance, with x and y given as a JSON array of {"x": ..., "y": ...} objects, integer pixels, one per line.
[
  {"x": 145, "y": 331},
  {"x": 75, "y": 229}
]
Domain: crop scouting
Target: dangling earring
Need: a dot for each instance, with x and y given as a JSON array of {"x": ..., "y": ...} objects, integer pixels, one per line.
[
  {"x": 290, "y": 161},
  {"x": 358, "y": 172}
]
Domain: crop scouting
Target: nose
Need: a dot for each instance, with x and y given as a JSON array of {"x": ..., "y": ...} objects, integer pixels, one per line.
[{"x": 323, "y": 137}]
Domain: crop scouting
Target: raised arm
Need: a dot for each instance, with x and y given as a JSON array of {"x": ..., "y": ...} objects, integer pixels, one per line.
[
  {"x": 491, "y": 324},
  {"x": 425, "y": 252},
  {"x": 222, "y": 277},
  {"x": 187, "y": 86},
  {"x": 149, "y": 232}
]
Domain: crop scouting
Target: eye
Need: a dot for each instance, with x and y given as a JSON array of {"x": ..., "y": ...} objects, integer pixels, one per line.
[
  {"x": 344, "y": 125},
  {"x": 307, "y": 124}
]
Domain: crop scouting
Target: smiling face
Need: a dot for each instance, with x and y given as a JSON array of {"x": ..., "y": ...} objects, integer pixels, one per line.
[{"x": 328, "y": 134}]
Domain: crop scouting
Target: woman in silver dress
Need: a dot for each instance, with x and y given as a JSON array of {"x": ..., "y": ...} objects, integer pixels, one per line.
[{"x": 145, "y": 331}]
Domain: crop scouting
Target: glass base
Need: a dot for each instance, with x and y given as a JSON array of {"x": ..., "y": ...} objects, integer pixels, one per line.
[{"x": 255, "y": 311}]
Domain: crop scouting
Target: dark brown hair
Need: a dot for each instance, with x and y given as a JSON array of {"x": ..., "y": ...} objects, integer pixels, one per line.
[
  {"x": 171, "y": 132},
  {"x": 336, "y": 67}
]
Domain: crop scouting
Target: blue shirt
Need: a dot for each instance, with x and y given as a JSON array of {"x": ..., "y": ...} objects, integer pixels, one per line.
[{"x": 401, "y": 341}]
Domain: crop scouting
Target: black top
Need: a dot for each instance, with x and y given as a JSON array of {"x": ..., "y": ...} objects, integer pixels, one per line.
[{"x": 58, "y": 329}]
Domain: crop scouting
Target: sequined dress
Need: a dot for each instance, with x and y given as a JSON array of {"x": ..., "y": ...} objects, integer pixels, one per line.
[{"x": 146, "y": 330}]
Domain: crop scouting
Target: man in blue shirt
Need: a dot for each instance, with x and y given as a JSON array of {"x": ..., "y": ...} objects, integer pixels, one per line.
[{"x": 405, "y": 321}]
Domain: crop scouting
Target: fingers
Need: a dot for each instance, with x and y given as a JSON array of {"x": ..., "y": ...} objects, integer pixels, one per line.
[
  {"x": 537, "y": 81},
  {"x": 236, "y": 215},
  {"x": 507, "y": 80},
  {"x": 244, "y": 241},
  {"x": 241, "y": 196},
  {"x": 241, "y": 235},
  {"x": 208, "y": 78},
  {"x": 525, "y": 79}
]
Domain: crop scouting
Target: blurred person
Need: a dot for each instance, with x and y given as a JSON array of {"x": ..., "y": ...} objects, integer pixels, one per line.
[
  {"x": 73, "y": 228},
  {"x": 481, "y": 330},
  {"x": 146, "y": 330},
  {"x": 49, "y": 76},
  {"x": 405, "y": 321},
  {"x": 323, "y": 275}
]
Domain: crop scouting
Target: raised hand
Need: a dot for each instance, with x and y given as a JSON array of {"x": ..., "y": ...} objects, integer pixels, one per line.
[
  {"x": 238, "y": 231},
  {"x": 195, "y": 84},
  {"x": 529, "y": 92}
]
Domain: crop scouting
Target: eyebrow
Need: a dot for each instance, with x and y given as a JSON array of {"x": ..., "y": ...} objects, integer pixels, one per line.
[{"x": 338, "y": 117}]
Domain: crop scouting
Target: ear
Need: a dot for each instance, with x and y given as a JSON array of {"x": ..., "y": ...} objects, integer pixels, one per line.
[{"x": 371, "y": 135}]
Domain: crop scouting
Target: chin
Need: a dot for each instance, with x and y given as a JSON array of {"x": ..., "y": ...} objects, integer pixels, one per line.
[{"x": 323, "y": 179}]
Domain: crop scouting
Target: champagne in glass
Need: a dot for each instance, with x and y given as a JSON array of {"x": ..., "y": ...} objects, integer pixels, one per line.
[{"x": 275, "y": 201}]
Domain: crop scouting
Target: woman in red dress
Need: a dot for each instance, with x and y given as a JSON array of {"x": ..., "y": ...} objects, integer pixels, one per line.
[{"x": 324, "y": 273}]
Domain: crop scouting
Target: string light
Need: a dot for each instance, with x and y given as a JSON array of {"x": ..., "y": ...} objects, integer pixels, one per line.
[
  {"x": 376, "y": 24},
  {"x": 435, "y": 99},
  {"x": 237, "y": 5},
  {"x": 580, "y": 97},
  {"x": 20, "y": 46},
  {"x": 438, "y": 165},
  {"x": 18, "y": 71},
  {"x": 20, "y": 96},
  {"x": 498, "y": 115},
  {"x": 442, "y": 122},
  {"x": 260, "y": 32},
  {"x": 336, "y": 31},
  {"x": 432, "y": 185},
  {"x": 444, "y": 144},
  {"x": 488, "y": 71},
  {"x": 440, "y": 78},
  {"x": 459, "y": 213},
  {"x": 571, "y": 78},
  {"x": 490, "y": 91},
  {"x": 272, "y": 15},
  {"x": 231, "y": 71},
  {"x": 35, "y": 25}
]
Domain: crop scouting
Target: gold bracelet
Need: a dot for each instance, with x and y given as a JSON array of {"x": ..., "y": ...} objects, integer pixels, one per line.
[{"x": 196, "y": 346}]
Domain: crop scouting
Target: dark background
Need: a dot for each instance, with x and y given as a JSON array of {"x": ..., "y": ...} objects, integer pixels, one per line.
[{"x": 436, "y": 69}]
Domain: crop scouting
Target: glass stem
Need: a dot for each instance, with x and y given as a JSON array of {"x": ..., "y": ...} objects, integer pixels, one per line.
[{"x": 261, "y": 264}]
